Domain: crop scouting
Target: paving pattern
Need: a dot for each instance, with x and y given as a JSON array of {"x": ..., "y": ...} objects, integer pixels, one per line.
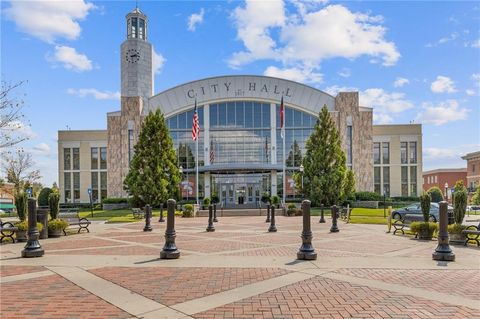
[{"x": 238, "y": 271}]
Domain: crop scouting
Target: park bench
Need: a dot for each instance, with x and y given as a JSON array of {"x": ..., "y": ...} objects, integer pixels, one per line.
[
  {"x": 72, "y": 217},
  {"x": 138, "y": 213},
  {"x": 473, "y": 233},
  {"x": 7, "y": 230},
  {"x": 400, "y": 225}
]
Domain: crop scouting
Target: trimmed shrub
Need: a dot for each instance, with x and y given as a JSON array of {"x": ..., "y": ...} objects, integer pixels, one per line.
[
  {"x": 53, "y": 200},
  {"x": 435, "y": 194},
  {"x": 21, "y": 205},
  {"x": 456, "y": 228},
  {"x": 23, "y": 225},
  {"x": 368, "y": 196},
  {"x": 405, "y": 199},
  {"x": 424, "y": 228},
  {"x": 206, "y": 201},
  {"x": 266, "y": 197},
  {"x": 275, "y": 200},
  {"x": 55, "y": 224},
  {"x": 115, "y": 200},
  {"x": 476, "y": 196},
  {"x": 43, "y": 196},
  {"x": 188, "y": 210},
  {"x": 459, "y": 205},
  {"x": 425, "y": 204},
  {"x": 215, "y": 199}
]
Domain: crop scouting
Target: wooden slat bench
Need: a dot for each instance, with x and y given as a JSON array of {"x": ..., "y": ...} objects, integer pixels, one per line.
[
  {"x": 73, "y": 219},
  {"x": 473, "y": 233},
  {"x": 7, "y": 230},
  {"x": 138, "y": 213}
]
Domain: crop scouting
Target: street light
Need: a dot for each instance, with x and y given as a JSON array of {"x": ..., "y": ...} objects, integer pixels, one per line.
[
  {"x": 446, "y": 192},
  {"x": 180, "y": 169},
  {"x": 384, "y": 200},
  {"x": 301, "y": 171}
]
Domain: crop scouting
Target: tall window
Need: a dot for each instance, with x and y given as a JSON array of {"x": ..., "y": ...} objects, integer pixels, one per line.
[
  {"x": 386, "y": 153},
  {"x": 94, "y": 186},
  {"x": 130, "y": 145},
  {"x": 376, "y": 153},
  {"x": 386, "y": 180},
  {"x": 103, "y": 185},
  {"x": 404, "y": 152},
  {"x": 349, "y": 146},
  {"x": 377, "y": 180},
  {"x": 413, "y": 152},
  {"x": 67, "y": 181},
  {"x": 413, "y": 180},
  {"x": 76, "y": 158},
  {"x": 103, "y": 158},
  {"x": 94, "y": 158},
  {"x": 141, "y": 29},
  {"x": 67, "y": 159},
  {"x": 134, "y": 27},
  {"x": 76, "y": 186},
  {"x": 404, "y": 180}
]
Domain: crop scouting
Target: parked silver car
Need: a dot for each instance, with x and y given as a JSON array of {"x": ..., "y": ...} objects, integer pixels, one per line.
[{"x": 415, "y": 212}]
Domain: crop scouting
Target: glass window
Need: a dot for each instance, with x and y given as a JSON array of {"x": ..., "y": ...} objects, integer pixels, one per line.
[
  {"x": 386, "y": 180},
  {"x": 182, "y": 121},
  {"x": 349, "y": 145},
  {"x": 76, "y": 186},
  {"x": 413, "y": 180},
  {"x": 257, "y": 115},
  {"x": 386, "y": 152},
  {"x": 413, "y": 152},
  {"x": 266, "y": 115},
  {"x": 404, "y": 180},
  {"x": 377, "y": 180},
  {"x": 67, "y": 181},
  {"x": 103, "y": 184},
  {"x": 103, "y": 158},
  {"x": 297, "y": 118},
  {"x": 403, "y": 153},
  {"x": 231, "y": 114},
  {"x": 288, "y": 117},
  {"x": 222, "y": 114},
  {"x": 239, "y": 114},
  {"x": 94, "y": 185},
  {"x": 66, "y": 159},
  {"x": 213, "y": 115},
  {"x": 130, "y": 146},
  {"x": 173, "y": 122},
  {"x": 376, "y": 153},
  {"x": 76, "y": 158},
  {"x": 141, "y": 29},
  {"x": 94, "y": 158},
  {"x": 248, "y": 114},
  {"x": 307, "y": 120},
  {"x": 134, "y": 27}
]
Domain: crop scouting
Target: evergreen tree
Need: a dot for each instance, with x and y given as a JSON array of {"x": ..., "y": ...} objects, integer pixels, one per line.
[
  {"x": 153, "y": 175},
  {"x": 349, "y": 188},
  {"x": 476, "y": 196},
  {"x": 324, "y": 163},
  {"x": 435, "y": 193},
  {"x": 294, "y": 156}
]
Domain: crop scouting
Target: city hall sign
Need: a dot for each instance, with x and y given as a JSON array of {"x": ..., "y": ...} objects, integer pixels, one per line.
[{"x": 249, "y": 87}]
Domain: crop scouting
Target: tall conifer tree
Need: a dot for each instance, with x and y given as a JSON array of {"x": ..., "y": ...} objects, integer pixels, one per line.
[
  {"x": 154, "y": 176},
  {"x": 324, "y": 163}
]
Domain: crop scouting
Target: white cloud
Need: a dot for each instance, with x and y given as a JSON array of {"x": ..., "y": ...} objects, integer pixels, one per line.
[
  {"x": 42, "y": 149},
  {"x": 382, "y": 118},
  {"x": 194, "y": 19},
  {"x": 310, "y": 36},
  {"x": 21, "y": 129},
  {"x": 443, "y": 84},
  {"x": 334, "y": 89},
  {"x": 385, "y": 102},
  {"x": 345, "y": 72},
  {"x": 49, "y": 19},
  {"x": 444, "y": 112},
  {"x": 96, "y": 94},
  {"x": 470, "y": 92},
  {"x": 473, "y": 44},
  {"x": 71, "y": 59},
  {"x": 399, "y": 82},
  {"x": 441, "y": 157},
  {"x": 158, "y": 62},
  {"x": 294, "y": 74},
  {"x": 476, "y": 77}
]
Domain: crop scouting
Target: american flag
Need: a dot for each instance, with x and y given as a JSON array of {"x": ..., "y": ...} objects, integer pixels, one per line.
[
  {"x": 212, "y": 153},
  {"x": 282, "y": 128},
  {"x": 195, "y": 124}
]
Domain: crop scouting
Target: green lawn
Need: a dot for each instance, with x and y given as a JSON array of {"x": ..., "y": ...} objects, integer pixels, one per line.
[{"x": 119, "y": 216}]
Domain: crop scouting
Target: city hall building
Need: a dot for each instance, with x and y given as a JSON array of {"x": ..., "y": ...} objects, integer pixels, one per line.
[{"x": 240, "y": 145}]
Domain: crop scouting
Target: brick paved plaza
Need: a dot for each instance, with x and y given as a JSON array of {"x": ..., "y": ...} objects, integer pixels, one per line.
[{"x": 238, "y": 271}]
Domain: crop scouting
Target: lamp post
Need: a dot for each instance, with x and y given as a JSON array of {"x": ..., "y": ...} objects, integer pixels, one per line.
[
  {"x": 384, "y": 200},
  {"x": 446, "y": 192},
  {"x": 180, "y": 169},
  {"x": 301, "y": 171}
]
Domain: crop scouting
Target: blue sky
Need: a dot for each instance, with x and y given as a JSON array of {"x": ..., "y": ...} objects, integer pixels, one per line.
[{"x": 410, "y": 61}]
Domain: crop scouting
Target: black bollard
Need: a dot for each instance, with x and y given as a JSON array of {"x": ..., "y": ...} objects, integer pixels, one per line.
[
  {"x": 322, "y": 217},
  {"x": 170, "y": 250},
  {"x": 210, "y": 226},
  {"x": 443, "y": 252},
  {"x": 161, "y": 220},
  {"x": 334, "y": 228},
  {"x": 215, "y": 220},
  {"x": 33, "y": 247},
  {"x": 273, "y": 227},
  {"x": 268, "y": 214},
  {"x": 148, "y": 216},
  {"x": 306, "y": 251}
]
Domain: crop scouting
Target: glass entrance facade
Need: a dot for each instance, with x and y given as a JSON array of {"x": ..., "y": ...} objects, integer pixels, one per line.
[{"x": 243, "y": 189}]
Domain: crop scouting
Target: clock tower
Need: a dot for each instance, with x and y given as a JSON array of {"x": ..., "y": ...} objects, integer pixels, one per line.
[{"x": 136, "y": 58}]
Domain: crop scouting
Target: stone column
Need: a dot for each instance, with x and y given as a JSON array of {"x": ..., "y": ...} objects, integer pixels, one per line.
[
  {"x": 33, "y": 247},
  {"x": 170, "y": 250},
  {"x": 306, "y": 251},
  {"x": 443, "y": 252}
]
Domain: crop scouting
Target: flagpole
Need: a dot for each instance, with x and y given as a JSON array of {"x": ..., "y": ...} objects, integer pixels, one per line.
[
  {"x": 284, "y": 176},
  {"x": 196, "y": 165}
]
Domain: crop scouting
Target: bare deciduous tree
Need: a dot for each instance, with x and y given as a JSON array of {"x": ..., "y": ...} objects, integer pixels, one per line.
[
  {"x": 10, "y": 115},
  {"x": 18, "y": 168}
]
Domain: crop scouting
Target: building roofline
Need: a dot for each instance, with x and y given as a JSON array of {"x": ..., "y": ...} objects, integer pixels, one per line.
[
  {"x": 471, "y": 155},
  {"x": 82, "y": 131},
  {"x": 446, "y": 170},
  {"x": 408, "y": 124}
]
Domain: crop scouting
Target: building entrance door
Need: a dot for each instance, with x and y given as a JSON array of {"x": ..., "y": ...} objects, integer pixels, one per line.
[{"x": 239, "y": 190}]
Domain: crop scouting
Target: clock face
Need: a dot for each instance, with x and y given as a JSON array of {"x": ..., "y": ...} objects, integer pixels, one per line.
[{"x": 132, "y": 55}]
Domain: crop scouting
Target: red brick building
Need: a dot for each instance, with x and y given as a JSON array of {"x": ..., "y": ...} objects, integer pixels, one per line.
[
  {"x": 438, "y": 177},
  {"x": 473, "y": 170}
]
